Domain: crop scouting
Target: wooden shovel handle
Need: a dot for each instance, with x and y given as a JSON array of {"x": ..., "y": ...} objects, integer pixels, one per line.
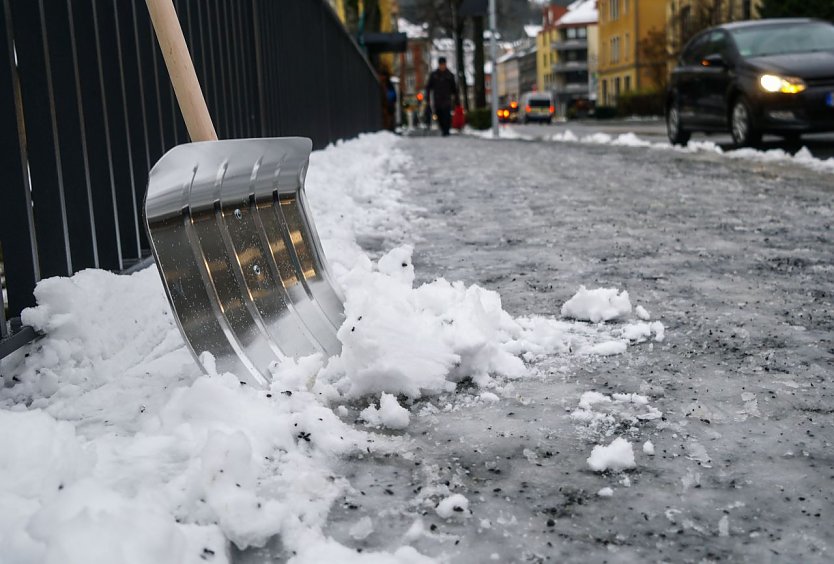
[{"x": 181, "y": 69}]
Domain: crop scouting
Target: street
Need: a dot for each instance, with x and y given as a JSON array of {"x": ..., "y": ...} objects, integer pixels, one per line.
[
  {"x": 821, "y": 145},
  {"x": 734, "y": 257}
]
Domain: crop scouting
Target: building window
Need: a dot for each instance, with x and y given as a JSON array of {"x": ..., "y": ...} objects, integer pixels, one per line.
[
  {"x": 571, "y": 33},
  {"x": 409, "y": 57},
  {"x": 582, "y": 32},
  {"x": 614, "y": 9},
  {"x": 615, "y": 50},
  {"x": 685, "y": 21},
  {"x": 746, "y": 12},
  {"x": 605, "y": 91},
  {"x": 627, "y": 85},
  {"x": 627, "y": 47},
  {"x": 625, "y": 7},
  {"x": 616, "y": 87}
]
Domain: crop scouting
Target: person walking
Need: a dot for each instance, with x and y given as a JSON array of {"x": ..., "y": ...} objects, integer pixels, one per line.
[{"x": 442, "y": 84}]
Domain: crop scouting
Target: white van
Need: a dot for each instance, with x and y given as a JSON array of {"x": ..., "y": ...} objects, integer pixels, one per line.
[{"x": 536, "y": 106}]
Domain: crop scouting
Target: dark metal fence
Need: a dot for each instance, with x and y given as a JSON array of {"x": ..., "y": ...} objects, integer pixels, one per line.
[{"x": 86, "y": 108}]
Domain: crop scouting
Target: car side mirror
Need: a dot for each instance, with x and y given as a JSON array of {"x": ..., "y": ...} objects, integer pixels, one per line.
[{"x": 714, "y": 60}]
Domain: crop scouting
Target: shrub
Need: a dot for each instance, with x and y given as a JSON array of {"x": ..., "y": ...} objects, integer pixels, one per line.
[
  {"x": 640, "y": 103},
  {"x": 479, "y": 118},
  {"x": 605, "y": 112}
]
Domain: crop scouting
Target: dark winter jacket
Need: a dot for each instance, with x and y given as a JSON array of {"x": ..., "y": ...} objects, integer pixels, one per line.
[{"x": 442, "y": 83}]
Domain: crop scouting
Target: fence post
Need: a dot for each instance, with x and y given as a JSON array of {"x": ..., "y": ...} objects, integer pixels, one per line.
[{"x": 17, "y": 230}]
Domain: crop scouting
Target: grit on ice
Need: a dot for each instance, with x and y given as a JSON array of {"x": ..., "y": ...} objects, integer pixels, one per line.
[{"x": 116, "y": 447}]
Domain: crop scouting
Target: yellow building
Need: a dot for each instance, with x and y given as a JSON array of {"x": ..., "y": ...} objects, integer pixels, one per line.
[
  {"x": 623, "y": 24},
  {"x": 546, "y": 55},
  {"x": 377, "y": 15},
  {"x": 685, "y": 18}
]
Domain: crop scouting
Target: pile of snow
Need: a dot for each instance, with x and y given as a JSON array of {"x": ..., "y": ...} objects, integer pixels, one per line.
[
  {"x": 601, "y": 304},
  {"x": 803, "y": 157},
  {"x": 114, "y": 442},
  {"x": 617, "y": 456},
  {"x": 504, "y": 132},
  {"x": 390, "y": 413},
  {"x": 453, "y": 506},
  {"x": 601, "y": 415}
]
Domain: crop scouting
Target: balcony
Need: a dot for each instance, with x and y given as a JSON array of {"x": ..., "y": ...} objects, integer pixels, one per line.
[
  {"x": 571, "y": 88},
  {"x": 569, "y": 66},
  {"x": 569, "y": 45}
]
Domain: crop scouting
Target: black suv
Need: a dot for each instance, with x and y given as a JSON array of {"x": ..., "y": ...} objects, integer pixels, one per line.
[{"x": 755, "y": 77}]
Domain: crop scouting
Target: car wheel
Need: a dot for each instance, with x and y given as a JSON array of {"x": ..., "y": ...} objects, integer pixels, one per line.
[
  {"x": 677, "y": 134},
  {"x": 744, "y": 131}
]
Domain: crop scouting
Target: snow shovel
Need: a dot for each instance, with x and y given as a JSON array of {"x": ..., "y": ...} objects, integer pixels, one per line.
[{"x": 233, "y": 237}]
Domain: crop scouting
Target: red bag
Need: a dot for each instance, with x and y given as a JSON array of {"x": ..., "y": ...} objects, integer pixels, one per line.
[{"x": 458, "y": 119}]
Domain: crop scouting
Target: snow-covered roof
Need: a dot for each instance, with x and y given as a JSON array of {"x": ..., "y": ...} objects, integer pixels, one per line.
[
  {"x": 518, "y": 51},
  {"x": 413, "y": 30},
  {"x": 532, "y": 30},
  {"x": 580, "y": 12},
  {"x": 448, "y": 44}
]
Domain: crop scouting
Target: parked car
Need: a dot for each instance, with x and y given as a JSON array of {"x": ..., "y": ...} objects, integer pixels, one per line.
[
  {"x": 508, "y": 113},
  {"x": 536, "y": 106},
  {"x": 755, "y": 77}
]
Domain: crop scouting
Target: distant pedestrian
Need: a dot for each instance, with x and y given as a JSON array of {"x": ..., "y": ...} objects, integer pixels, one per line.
[
  {"x": 389, "y": 100},
  {"x": 442, "y": 84}
]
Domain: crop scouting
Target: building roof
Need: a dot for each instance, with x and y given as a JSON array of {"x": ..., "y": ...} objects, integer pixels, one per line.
[
  {"x": 413, "y": 30},
  {"x": 532, "y": 30},
  {"x": 581, "y": 12}
]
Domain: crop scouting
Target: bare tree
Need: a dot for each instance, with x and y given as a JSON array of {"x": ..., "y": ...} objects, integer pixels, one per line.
[{"x": 654, "y": 55}]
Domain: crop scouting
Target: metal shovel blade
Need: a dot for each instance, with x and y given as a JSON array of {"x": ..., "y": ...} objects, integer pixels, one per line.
[{"x": 239, "y": 255}]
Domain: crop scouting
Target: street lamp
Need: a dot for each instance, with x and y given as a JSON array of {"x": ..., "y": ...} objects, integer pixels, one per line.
[{"x": 492, "y": 53}]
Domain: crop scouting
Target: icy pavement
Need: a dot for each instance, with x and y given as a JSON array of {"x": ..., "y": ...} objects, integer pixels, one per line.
[
  {"x": 691, "y": 423},
  {"x": 734, "y": 257}
]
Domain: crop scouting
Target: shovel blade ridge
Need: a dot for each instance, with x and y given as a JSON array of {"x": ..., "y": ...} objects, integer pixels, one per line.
[{"x": 239, "y": 255}]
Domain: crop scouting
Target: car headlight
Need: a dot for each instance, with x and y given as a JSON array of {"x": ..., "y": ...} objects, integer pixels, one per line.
[{"x": 784, "y": 84}]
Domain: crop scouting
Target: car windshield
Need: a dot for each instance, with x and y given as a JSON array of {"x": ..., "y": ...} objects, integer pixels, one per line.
[{"x": 760, "y": 41}]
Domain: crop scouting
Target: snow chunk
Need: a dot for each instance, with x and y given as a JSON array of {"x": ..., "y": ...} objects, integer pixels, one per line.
[
  {"x": 605, "y": 492},
  {"x": 601, "y": 304},
  {"x": 362, "y": 528},
  {"x": 724, "y": 526},
  {"x": 617, "y": 456},
  {"x": 608, "y": 348},
  {"x": 642, "y": 313},
  {"x": 630, "y": 398},
  {"x": 590, "y": 398},
  {"x": 639, "y": 332},
  {"x": 648, "y": 448},
  {"x": 630, "y": 140},
  {"x": 453, "y": 505},
  {"x": 489, "y": 397},
  {"x": 567, "y": 136},
  {"x": 390, "y": 414}
]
